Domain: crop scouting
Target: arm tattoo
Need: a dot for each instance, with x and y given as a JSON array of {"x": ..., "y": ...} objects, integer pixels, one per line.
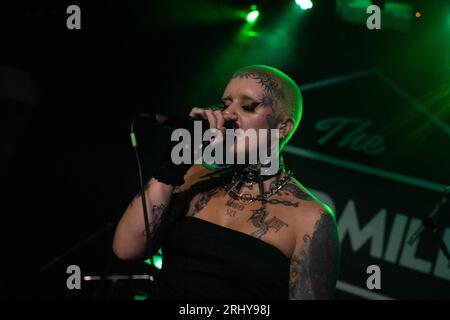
[
  {"x": 202, "y": 201},
  {"x": 157, "y": 212},
  {"x": 299, "y": 280},
  {"x": 313, "y": 270},
  {"x": 258, "y": 219}
]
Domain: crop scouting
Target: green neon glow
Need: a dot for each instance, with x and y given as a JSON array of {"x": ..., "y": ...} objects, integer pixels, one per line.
[
  {"x": 251, "y": 33},
  {"x": 304, "y": 4},
  {"x": 252, "y": 16},
  {"x": 133, "y": 140},
  {"x": 139, "y": 297},
  {"x": 365, "y": 169},
  {"x": 157, "y": 260}
]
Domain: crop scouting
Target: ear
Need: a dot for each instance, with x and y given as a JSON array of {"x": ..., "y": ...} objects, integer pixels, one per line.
[{"x": 286, "y": 125}]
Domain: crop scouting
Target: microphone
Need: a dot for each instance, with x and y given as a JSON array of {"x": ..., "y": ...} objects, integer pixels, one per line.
[
  {"x": 175, "y": 122},
  {"x": 172, "y": 121},
  {"x": 178, "y": 122}
]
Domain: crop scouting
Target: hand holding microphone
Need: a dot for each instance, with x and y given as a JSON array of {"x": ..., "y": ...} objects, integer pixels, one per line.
[
  {"x": 217, "y": 119},
  {"x": 173, "y": 174}
]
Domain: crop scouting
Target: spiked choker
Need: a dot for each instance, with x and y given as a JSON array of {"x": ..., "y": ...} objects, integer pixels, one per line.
[{"x": 250, "y": 175}]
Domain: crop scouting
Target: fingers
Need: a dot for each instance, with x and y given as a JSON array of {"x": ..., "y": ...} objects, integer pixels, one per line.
[
  {"x": 204, "y": 114},
  {"x": 229, "y": 116},
  {"x": 220, "y": 120},
  {"x": 216, "y": 118},
  {"x": 198, "y": 113},
  {"x": 211, "y": 119}
]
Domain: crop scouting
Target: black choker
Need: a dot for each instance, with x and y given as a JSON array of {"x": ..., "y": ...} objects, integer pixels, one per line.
[{"x": 251, "y": 174}]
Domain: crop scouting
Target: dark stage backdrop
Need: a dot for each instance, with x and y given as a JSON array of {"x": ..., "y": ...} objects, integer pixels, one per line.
[{"x": 381, "y": 174}]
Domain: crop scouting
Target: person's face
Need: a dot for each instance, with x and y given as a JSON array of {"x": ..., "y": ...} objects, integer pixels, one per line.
[{"x": 254, "y": 106}]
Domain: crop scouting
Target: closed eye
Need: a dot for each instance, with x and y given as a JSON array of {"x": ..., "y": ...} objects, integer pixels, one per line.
[{"x": 251, "y": 107}]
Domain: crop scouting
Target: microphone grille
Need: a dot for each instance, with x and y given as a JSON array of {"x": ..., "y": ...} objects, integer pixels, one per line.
[{"x": 160, "y": 119}]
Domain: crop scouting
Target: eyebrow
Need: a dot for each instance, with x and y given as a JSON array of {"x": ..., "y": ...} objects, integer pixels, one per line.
[{"x": 243, "y": 97}]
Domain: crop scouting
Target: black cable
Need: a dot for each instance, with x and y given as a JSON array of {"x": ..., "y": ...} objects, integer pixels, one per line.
[
  {"x": 141, "y": 184},
  {"x": 77, "y": 246},
  {"x": 143, "y": 197}
]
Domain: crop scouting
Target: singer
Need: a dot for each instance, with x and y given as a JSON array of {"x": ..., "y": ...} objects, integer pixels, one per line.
[{"x": 230, "y": 232}]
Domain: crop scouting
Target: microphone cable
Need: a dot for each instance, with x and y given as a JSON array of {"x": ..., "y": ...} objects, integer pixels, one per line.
[{"x": 143, "y": 200}]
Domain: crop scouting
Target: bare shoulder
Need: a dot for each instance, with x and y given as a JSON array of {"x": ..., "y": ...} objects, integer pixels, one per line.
[
  {"x": 195, "y": 174},
  {"x": 310, "y": 211},
  {"x": 315, "y": 259}
]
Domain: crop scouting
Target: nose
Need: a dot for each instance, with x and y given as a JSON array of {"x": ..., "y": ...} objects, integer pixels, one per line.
[
  {"x": 233, "y": 107},
  {"x": 232, "y": 123}
]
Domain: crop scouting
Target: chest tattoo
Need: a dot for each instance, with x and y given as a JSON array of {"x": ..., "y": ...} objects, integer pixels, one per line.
[
  {"x": 260, "y": 221},
  {"x": 202, "y": 201}
]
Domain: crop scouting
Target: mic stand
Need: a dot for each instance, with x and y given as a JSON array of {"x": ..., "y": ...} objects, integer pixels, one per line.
[
  {"x": 77, "y": 246},
  {"x": 429, "y": 223}
]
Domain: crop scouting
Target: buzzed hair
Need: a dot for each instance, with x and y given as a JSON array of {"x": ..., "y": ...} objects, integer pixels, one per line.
[{"x": 282, "y": 94}]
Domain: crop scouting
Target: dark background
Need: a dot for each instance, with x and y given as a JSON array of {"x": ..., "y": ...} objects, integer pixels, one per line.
[{"x": 67, "y": 167}]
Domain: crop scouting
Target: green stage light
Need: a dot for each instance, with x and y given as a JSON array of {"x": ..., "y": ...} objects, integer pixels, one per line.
[
  {"x": 253, "y": 15},
  {"x": 250, "y": 33},
  {"x": 304, "y": 4},
  {"x": 157, "y": 261}
]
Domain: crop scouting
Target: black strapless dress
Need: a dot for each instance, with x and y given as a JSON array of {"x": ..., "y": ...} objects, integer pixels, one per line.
[{"x": 203, "y": 260}]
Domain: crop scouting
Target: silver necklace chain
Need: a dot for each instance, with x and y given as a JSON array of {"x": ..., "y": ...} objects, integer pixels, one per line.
[{"x": 247, "y": 198}]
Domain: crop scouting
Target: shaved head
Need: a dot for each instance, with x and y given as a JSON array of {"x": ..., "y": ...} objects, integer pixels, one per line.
[{"x": 282, "y": 94}]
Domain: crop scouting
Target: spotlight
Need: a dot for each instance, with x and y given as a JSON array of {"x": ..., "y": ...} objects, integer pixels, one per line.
[
  {"x": 395, "y": 14},
  {"x": 304, "y": 4},
  {"x": 253, "y": 15}
]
